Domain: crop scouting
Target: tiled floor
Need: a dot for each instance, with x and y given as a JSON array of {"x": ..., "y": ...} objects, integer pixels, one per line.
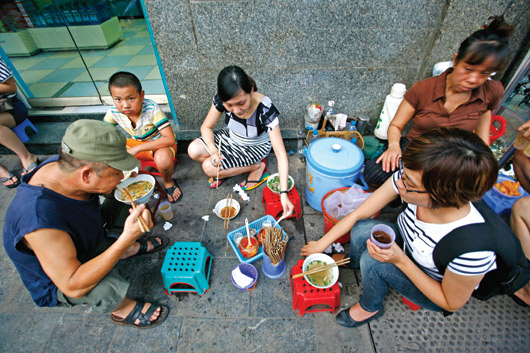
[{"x": 63, "y": 74}]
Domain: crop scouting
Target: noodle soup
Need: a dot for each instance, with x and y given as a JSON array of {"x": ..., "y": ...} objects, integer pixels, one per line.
[
  {"x": 321, "y": 278},
  {"x": 137, "y": 190}
]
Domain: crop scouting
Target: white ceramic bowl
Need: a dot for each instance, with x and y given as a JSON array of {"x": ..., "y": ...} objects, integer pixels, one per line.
[
  {"x": 326, "y": 259},
  {"x": 272, "y": 179},
  {"x": 222, "y": 204},
  {"x": 129, "y": 181}
]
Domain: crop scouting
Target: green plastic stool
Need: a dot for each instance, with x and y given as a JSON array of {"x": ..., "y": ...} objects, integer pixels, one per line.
[{"x": 186, "y": 268}]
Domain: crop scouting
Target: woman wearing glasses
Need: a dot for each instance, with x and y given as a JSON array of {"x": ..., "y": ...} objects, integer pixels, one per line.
[{"x": 440, "y": 173}]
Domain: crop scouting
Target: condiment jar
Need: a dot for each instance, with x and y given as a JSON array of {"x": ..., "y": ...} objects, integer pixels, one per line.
[{"x": 248, "y": 250}]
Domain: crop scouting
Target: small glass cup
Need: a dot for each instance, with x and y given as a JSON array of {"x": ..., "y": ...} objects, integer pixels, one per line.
[
  {"x": 261, "y": 234},
  {"x": 249, "y": 250},
  {"x": 383, "y": 236},
  {"x": 521, "y": 142},
  {"x": 237, "y": 238}
]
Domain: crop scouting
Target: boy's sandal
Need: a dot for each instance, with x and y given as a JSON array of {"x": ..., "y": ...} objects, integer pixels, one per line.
[
  {"x": 30, "y": 167},
  {"x": 264, "y": 177},
  {"x": 144, "y": 322},
  {"x": 172, "y": 189},
  {"x": 213, "y": 182},
  {"x": 157, "y": 246},
  {"x": 10, "y": 178}
]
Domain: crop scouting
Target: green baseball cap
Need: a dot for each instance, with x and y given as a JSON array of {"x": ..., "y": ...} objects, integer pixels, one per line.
[{"x": 96, "y": 141}]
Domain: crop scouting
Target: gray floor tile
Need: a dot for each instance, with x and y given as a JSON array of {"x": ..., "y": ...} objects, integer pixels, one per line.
[{"x": 81, "y": 333}]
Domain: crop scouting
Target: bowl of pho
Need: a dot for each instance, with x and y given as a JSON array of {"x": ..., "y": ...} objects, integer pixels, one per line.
[
  {"x": 140, "y": 187},
  {"x": 321, "y": 279},
  {"x": 273, "y": 183}
]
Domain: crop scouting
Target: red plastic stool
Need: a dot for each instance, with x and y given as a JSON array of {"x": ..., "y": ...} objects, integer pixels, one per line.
[
  {"x": 273, "y": 206},
  {"x": 305, "y": 295},
  {"x": 411, "y": 305},
  {"x": 496, "y": 132},
  {"x": 151, "y": 163}
]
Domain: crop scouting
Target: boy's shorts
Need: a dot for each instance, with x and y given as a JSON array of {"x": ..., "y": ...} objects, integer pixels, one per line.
[{"x": 147, "y": 155}]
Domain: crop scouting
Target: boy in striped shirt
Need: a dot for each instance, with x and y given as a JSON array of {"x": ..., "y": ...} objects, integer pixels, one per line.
[{"x": 152, "y": 136}]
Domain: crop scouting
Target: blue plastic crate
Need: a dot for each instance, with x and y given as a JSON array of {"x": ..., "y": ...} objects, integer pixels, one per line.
[
  {"x": 254, "y": 225},
  {"x": 499, "y": 202}
]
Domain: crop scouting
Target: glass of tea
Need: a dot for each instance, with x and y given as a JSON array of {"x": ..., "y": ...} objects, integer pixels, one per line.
[
  {"x": 383, "y": 236},
  {"x": 261, "y": 234},
  {"x": 249, "y": 246}
]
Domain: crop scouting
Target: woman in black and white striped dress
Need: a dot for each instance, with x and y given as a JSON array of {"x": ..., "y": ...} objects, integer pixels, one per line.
[
  {"x": 441, "y": 172},
  {"x": 252, "y": 131}
]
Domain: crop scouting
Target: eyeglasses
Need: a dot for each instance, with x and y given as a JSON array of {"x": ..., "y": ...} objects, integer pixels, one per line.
[{"x": 401, "y": 176}]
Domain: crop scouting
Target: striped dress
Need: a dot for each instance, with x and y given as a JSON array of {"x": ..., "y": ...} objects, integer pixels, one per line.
[
  {"x": 245, "y": 141},
  {"x": 5, "y": 74},
  {"x": 420, "y": 239}
]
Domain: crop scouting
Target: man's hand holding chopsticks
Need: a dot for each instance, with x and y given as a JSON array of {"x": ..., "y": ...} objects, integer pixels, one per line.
[{"x": 131, "y": 228}]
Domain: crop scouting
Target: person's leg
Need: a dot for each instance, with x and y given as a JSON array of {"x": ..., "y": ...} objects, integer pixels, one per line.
[
  {"x": 4, "y": 173},
  {"x": 377, "y": 276},
  {"x": 11, "y": 141},
  {"x": 104, "y": 297},
  {"x": 236, "y": 159},
  {"x": 108, "y": 296},
  {"x": 520, "y": 222},
  {"x": 197, "y": 151},
  {"x": 164, "y": 162},
  {"x": 521, "y": 167}
]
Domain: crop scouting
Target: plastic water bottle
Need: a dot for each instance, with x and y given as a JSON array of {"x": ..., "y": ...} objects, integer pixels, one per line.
[
  {"x": 392, "y": 102},
  {"x": 314, "y": 136},
  {"x": 330, "y": 110},
  {"x": 350, "y": 127}
]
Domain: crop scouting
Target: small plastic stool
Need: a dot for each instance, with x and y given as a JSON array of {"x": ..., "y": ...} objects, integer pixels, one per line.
[
  {"x": 186, "y": 268},
  {"x": 496, "y": 132},
  {"x": 20, "y": 130},
  {"x": 305, "y": 295},
  {"x": 144, "y": 163},
  {"x": 411, "y": 305},
  {"x": 273, "y": 206}
]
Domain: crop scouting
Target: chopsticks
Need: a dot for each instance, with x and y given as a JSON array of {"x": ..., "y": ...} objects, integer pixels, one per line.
[
  {"x": 219, "y": 164},
  {"x": 273, "y": 245},
  {"x": 228, "y": 213},
  {"x": 322, "y": 268},
  {"x": 143, "y": 226}
]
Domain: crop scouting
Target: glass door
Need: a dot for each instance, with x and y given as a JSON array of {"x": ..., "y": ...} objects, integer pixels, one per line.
[
  {"x": 64, "y": 51},
  {"x": 514, "y": 109}
]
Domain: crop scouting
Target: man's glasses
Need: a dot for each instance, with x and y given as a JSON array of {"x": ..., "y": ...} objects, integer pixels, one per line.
[{"x": 402, "y": 177}]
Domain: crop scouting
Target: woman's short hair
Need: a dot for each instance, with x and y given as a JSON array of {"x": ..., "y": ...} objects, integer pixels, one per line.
[
  {"x": 231, "y": 81},
  {"x": 492, "y": 40},
  {"x": 125, "y": 79},
  {"x": 457, "y": 165}
]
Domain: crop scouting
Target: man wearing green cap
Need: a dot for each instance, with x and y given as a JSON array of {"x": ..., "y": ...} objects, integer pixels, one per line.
[{"x": 54, "y": 229}]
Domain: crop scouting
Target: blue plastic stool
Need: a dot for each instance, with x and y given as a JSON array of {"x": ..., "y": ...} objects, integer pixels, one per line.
[
  {"x": 20, "y": 130},
  {"x": 186, "y": 268}
]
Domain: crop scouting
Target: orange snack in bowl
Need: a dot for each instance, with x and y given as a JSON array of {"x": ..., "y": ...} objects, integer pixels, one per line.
[{"x": 508, "y": 187}]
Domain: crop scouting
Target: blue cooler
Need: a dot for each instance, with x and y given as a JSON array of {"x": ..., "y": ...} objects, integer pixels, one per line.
[
  {"x": 500, "y": 202},
  {"x": 332, "y": 163}
]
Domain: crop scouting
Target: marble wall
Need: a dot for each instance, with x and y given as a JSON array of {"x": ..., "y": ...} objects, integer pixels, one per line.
[{"x": 304, "y": 51}]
